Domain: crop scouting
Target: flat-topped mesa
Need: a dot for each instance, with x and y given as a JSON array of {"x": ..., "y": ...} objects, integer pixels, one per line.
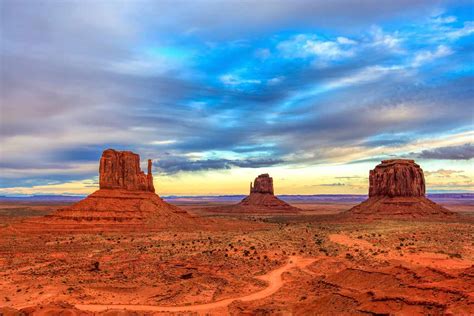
[
  {"x": 397, "y": 191},
  {"x": 121, "y": 170},
  {"x": 262, "y": 184},
  {"x": 397, "y": 178}
]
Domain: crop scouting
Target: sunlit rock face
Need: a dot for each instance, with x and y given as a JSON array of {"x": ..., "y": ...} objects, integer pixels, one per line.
[
  {"x": 126, "y": 200},
  {"x": 262, "y": 199},
  {"x": 262, "y": 184},
  {"x": 121, "y": 170},
  {"x": 398, "y": 177},
  {"x": 397, "y": 191}
]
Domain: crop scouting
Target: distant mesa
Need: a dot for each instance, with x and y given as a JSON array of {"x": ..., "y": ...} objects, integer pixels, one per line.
[
  {"x": 261, "y": 199},
  {"x": 262, "y": 184},
  {"x": 126, "y": 199},
  {"x": 397, "y": 190}
]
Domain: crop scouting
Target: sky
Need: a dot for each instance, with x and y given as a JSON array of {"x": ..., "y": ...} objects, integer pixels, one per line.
[{"x": 314, "y": 92}]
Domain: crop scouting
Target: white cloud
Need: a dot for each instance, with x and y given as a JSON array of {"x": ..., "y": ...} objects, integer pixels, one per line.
[
  {"x": 330, "y": 50},
  {"x": 163, "y": 142},
  {"x": 424, "y": 57},
  {"x": 275, "y": 80},
  {"x": 380, "y": 38},
  {"x": 467, "y": 29},
  {"x": 444, "y": 19},
  {"x": 345, "y": 41},
  {"x": 304, "y": 46},
  {"x": 72, "y": 187},
  {"x": 365, "y": 75},
  {"x": 233, "y": 80}
]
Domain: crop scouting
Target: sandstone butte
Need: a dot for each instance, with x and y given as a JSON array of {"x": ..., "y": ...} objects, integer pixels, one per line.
[
  {"x": 262, "y": 199},
  {"x": 397, "y": 190},
  {"x": 126, "y": 199}
]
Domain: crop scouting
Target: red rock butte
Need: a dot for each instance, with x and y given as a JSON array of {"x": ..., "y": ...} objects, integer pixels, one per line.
[
  {"x": 126, "y": 199},
  {"x": 262, "y": 184},
  {"x": 262, "y": 200},
  {"x": 121, "y": 170},
  {"x": 397, "y": 190}
]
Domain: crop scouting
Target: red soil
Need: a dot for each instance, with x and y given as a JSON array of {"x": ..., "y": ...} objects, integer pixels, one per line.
[{"x": 399, "y": 208}]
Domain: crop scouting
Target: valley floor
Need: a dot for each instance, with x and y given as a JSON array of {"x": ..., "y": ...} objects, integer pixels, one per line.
[{"x": 302, "y": 264}]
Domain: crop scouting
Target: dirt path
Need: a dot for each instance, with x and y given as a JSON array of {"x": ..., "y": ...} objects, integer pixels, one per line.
[{"x": 273, "y": 278}]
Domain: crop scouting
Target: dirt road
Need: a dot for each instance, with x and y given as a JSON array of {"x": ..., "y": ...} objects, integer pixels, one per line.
[{"x": 273, "y": 278}]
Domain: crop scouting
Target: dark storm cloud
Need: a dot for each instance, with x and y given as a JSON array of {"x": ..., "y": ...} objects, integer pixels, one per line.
[
  {"x": 462, "y": 152},
  {"x": 173, "y": 165}
]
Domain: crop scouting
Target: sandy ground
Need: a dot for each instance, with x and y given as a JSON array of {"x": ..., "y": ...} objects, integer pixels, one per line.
[
  {"x": 273, "y": 278},
  {"x": 286, "y": 265}
]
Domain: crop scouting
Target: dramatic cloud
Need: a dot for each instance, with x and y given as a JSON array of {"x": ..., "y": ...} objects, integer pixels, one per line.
[
  {"x": 463, "y": 152},
  {"x": 176, "y": 164},
  {"x": 230, "y": 84}
]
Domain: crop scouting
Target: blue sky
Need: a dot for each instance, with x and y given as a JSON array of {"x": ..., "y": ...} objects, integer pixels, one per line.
[{"x": 217, "y": 92}]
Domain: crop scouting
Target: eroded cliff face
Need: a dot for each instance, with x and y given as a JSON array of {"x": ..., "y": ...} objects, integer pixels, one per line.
[
  {"x": 262, "y": 199},
  {"x": 126, "y": 200},
  {"x": 398, "y": 177},
  {"x": 397, "y": 190},
  {"x": 262, "y": 184},
  {"x": 121, "y": 170}
]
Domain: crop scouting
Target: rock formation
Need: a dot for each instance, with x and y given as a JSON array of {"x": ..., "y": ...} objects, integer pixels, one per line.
[
  {"x": 397, "y": 190},
  {"x": 125, "y": 200},
  {"x": 262, "y": 184},
  {"x": 261, "y": 200},
  {"x": 398, "y": 177},
  {"x": 121, "y": 170}
]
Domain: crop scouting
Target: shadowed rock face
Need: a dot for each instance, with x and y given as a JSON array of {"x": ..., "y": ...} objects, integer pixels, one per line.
[
  {"x": 398, "y": 177},
  {"x": 121, "y": 170},
  {"x": 262, "y": 184}
]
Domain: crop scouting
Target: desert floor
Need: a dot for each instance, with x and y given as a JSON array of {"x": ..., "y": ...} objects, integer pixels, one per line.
[{"x": 310, "y": 263}]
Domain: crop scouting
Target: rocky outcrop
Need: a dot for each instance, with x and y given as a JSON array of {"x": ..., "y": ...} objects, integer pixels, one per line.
[
  {"x": 397, "y": 191},
  {"x": 121, "y": 170},
  {"x": 398, "y": 177},
  {"x": 262, "y": 184},
  {"x": 261, "y": 200},
  {"x": 126, "y": 200}
]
